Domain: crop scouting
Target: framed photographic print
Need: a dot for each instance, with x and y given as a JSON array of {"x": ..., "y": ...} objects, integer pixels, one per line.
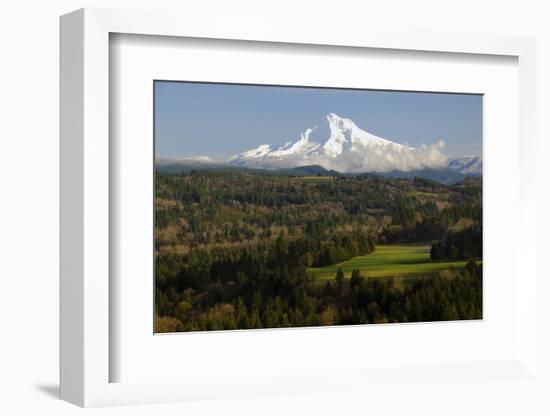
[
  {"x": 333, "y": 226},
  {"x": 282, "y": 213}
]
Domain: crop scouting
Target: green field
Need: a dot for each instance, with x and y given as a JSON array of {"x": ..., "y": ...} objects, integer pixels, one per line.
[{"x": 389, "y": 260}]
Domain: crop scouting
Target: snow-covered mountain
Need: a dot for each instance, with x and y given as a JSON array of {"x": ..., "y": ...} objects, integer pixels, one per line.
[
  {"x": 339, "y": 144},
  {"x": 467, "y": 165}
]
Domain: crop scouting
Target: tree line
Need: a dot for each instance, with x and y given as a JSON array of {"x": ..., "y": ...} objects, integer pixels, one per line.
[
  {"x": 460, "y": 245},
  {"x": 338, "y": 302}
]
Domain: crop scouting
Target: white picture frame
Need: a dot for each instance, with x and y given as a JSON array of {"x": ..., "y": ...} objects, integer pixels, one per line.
[{"x": 85, "y": 351}]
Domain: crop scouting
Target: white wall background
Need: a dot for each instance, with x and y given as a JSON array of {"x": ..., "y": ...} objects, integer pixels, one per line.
[{"x": 29, "y": 206}]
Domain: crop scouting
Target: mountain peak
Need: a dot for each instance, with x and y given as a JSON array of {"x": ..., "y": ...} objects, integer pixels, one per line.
[
  {"x": 340, "y": 122},
  {"x": 334, "y": 116},
  {"x": 344, "y": 147}
]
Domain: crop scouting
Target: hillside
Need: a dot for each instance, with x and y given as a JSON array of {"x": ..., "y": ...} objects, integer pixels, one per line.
[{"x": 233, "y": 246}]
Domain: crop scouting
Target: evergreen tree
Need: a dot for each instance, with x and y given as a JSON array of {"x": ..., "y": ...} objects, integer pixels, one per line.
[
  {"x": 356, "y": 279},
  {"x": 340, "y": 280}
]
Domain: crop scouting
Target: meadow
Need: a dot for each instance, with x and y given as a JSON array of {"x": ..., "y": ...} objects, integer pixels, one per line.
[{"x": 396, "y": 260}]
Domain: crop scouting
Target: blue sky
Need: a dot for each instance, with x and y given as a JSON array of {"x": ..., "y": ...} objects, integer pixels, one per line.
[{"x": 220, "y": 120}]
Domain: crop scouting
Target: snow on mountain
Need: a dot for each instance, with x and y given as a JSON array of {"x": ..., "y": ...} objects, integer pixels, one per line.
[
  {"x": 261, "y": 151},
  {"x": 202, "y": 159},
  {"x": 347, "y": 148},
  {"x": 302, "y": 146},
  {"x": 344, "y": 132},
  {"x": 467, "y": 165}
]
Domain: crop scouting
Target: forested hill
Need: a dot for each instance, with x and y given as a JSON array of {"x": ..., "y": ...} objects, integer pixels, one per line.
[
  {"x": 237, "y": 207},
  {"x": 233, "y": 246},
  {"x": 446, "y": 176}
]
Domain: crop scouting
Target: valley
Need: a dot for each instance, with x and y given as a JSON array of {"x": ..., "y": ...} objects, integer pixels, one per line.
[{"x": 239, "y": 248}]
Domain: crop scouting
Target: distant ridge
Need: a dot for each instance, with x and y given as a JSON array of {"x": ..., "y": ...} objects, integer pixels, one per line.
[
  {"x": 313, "y": 170},
  {"x": 467, "y": 165}
]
